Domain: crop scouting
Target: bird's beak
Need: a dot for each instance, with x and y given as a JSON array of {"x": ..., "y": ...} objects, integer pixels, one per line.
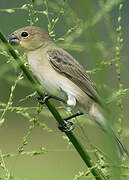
[{"x": 13, "y": 39}]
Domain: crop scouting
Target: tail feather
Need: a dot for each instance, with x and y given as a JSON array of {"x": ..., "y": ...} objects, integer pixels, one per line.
[
  {"x": 101, "y": 122},
  {"x": 121, "y": 146}
]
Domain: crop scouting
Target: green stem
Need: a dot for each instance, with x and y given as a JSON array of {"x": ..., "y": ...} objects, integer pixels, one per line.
[{"x": 98, "y": 174}]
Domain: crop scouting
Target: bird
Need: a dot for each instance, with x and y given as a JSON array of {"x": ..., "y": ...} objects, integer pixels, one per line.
[{"x": 62, "y": 76}]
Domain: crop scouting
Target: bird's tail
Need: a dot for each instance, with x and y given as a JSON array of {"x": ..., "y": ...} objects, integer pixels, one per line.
[
  {"x": 97, "y": 116},
  {"x": 121, "y": 147}
]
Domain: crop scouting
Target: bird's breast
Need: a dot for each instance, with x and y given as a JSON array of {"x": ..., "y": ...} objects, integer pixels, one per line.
[
  {"x": 53, "y": 81},
  {"x": 44, "y": 72}
]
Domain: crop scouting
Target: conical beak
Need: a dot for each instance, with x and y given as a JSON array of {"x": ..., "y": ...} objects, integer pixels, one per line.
[{"x": 13, "y": 39}]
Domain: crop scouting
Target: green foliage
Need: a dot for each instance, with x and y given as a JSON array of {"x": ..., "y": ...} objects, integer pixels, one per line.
[{"x": 106, "y": 57}]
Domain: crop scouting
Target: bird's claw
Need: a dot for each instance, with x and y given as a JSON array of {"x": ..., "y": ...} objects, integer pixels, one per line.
[
  {"x": 43, "y": 100},
  {"x": 66, "y": 127}
]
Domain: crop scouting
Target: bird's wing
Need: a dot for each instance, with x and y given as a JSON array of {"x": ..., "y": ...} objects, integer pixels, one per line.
[{"x": 65, "y": 64}]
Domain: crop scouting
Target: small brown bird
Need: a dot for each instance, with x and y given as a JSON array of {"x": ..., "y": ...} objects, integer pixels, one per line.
[{"x": 60, "y": 74}]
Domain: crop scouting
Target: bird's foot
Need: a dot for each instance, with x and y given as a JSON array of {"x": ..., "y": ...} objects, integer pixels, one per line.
[
  {"x": 40, "y": 99},
  {"x": 66, "y": 127},
  {"x": 43, "y": 100}
]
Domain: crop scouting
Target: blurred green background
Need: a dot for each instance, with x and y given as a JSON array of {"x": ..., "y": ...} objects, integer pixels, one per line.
[{"x": 95, "y": 44}]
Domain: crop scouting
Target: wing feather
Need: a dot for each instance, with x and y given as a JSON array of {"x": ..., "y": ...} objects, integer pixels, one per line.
[{"x": 65, "y": 64}]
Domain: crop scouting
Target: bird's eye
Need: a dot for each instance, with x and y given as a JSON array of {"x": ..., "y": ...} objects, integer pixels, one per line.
[{"x": 24, "y": 34}]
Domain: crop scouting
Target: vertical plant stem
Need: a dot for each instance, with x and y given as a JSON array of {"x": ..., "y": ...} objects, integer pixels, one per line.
[
  {"x": 98, "y": 174},
  {"x": 118, "y": 68}
]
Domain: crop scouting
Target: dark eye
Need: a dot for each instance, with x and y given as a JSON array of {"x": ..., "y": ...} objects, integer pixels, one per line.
[{"x": 24, "y": 34}]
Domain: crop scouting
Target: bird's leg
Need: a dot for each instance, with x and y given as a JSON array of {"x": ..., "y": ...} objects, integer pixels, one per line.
[
  {"x": 73, "y": 116},
  {"x": 68, "y": 126},
  {"x": 47, "y": 97}
]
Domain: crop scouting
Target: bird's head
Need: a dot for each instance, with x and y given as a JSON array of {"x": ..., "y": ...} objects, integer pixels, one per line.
[{"x": 29, "y": 38}]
